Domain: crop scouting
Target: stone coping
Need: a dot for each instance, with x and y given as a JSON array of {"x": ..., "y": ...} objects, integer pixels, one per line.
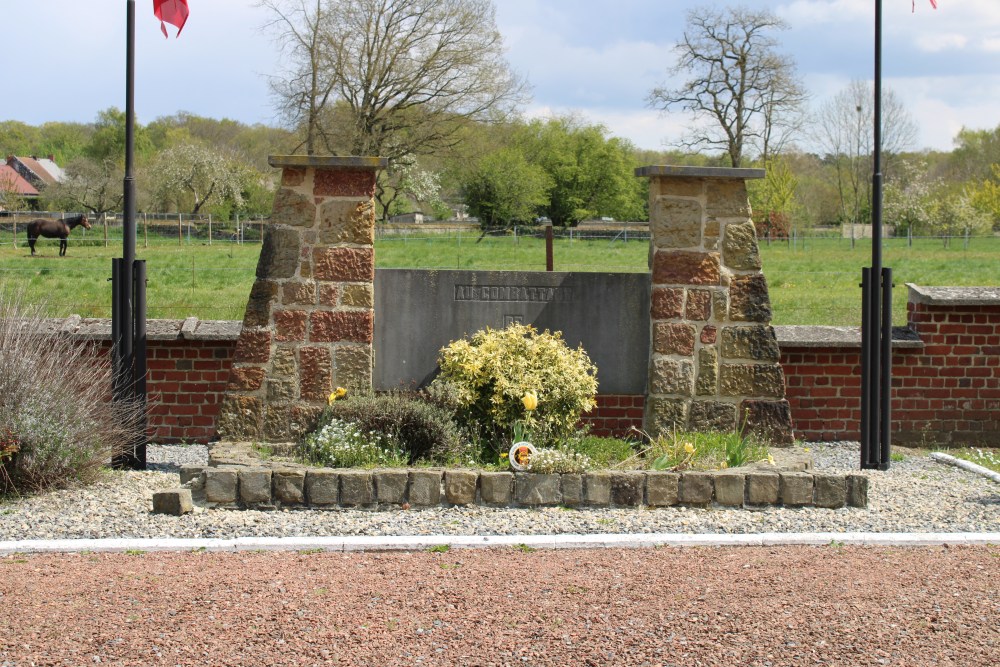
[
  {"x": 847, "y": 337},
  {"x": 220, "y": 330},
  {"x": 954, "y": 296},
  {"x": 699, "y": 172},
  {"x": 328, "y": 161},
  {"x": 264, "y": 488}
]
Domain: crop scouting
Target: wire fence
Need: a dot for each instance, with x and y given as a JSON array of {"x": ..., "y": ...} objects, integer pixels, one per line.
[
  {"x": 205, "y": 268},
  {"x": 151, "y": 229}
]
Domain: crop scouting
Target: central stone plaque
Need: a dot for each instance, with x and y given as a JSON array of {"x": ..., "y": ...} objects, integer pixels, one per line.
[{"x": 421, "y": 311}]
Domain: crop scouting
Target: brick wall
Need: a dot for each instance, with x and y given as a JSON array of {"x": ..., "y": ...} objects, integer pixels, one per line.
[
  {"x": 946, "y": 375},
  {"x": 945, "y": 379},
  {"x": 616, "y": 415},
  {"x": 187, "y": 379}
]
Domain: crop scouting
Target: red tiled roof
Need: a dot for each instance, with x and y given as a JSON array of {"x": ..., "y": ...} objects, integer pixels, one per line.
[
  {"x": 38, "y": 170},
  {"x": 11, "y": 181}
]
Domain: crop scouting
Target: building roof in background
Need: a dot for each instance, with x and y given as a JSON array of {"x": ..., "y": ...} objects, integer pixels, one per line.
[
  {"x": 11, "y": 181},
  {"x": 49, "y": 165},
  {"x": 37, "y": 172}
]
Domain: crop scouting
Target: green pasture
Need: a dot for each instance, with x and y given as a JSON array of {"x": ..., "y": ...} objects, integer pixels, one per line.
[{"x": 812, "y": 282}]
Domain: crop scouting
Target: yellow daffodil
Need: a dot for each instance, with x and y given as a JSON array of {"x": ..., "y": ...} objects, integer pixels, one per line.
[
  {"x": 339, "y": 392},
  {"x": 530, "y": 401},
  {"x": 689, "y": 448},
  {"x": 770, "y": 459}
]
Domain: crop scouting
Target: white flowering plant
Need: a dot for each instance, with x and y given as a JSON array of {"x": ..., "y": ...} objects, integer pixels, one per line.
[{"x": 341, "y": 444}]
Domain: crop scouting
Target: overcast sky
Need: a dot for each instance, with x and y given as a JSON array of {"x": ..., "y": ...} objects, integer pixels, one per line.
[{"x": 65, "y": 59}]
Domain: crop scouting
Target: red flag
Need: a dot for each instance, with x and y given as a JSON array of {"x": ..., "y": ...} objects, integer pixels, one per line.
[{"x": 174, "y": 12}]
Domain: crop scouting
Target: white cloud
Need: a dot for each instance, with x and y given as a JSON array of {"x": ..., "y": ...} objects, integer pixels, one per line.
[{"x": 937, "y": 42}]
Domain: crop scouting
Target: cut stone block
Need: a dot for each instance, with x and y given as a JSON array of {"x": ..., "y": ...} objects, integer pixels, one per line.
[
  {"x": 796, "y": 489},
  {"x": 628, "y": 489},
  {"x": 662, "y": 488},
  {"x": 857, "y": 491},
  {"x": 323, "y": 487},
  {"x": 535, "y": 489},
  {"x": 190, "y": 472},
  {"x": 175, "y": 502},
  {"x": 830, "y": 491},
  {"x": 220, "y": 485},
  {"x": 496, "y": 488},
  {"x": 357, "y": 488},
  {"x": 425, "y": 488},
  {"x": 571, "y": 486},
  {"x": 390, "y": 486},
  {"x": 695, "y": 488},
  {"x": 289, "y": 486},
  {"x": 460, "y": 486},
  {"x": 255, "y": 485},
  {"x": 597, "y": 488},
  {"x": 729, "y": 488},
  {"x": 763, "y": 488}
]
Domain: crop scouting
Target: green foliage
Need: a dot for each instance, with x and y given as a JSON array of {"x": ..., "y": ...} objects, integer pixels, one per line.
[
  {"x": 591, "y": 174},
  {"x": 603, "y": 452},
  {"x": 504, "y": 189},
  {"x": 682, "y": 450},
  {"x": 410, "y": 428},
  {"x": 58, "y": 427},
  {"x": 492, "y": 372}
]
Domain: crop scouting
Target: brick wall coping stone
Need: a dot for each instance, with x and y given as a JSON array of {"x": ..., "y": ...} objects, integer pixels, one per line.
[
  {"x": 846, "y": 337},
  {"x": 328, "y": 162},
  {"x": 699, "y": 172},
  {"x": 221, "y": 330},
  {"x": 954, "y": 296}
]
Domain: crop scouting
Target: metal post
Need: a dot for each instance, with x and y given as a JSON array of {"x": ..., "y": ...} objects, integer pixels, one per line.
[
  {"x": 125, "y": 329},
  {"x": 876, "y": 326},
  {"x": 548, "y": 246}
]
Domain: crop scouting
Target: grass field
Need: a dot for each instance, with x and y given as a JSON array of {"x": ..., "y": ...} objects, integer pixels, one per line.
[{"x": 814, "y": 284}]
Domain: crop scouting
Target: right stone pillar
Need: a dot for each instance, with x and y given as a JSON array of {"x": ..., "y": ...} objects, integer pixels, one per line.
[{"x": 714, "y": 359}]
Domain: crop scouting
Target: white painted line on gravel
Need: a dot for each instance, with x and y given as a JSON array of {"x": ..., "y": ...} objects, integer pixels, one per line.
[
  {"x": 425, "y": 542},
  {"x": 966, "y": 465}
]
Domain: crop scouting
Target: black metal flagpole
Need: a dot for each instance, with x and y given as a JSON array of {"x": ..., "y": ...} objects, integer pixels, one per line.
[
  {"x": 876, "y": 315},
  {"x": 128, "y": 311}
]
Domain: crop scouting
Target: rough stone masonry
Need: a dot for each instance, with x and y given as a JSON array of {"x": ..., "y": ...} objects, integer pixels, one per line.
[
  {"x": 714, "y": 362},
  {"x": 308, "y": 326}
]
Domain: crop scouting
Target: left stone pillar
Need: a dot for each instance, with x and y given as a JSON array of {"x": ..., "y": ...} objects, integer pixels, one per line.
[{"x": 309, "y": 322}]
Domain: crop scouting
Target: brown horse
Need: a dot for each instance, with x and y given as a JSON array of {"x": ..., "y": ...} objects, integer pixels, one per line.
[{"x": 55, "y": 229}]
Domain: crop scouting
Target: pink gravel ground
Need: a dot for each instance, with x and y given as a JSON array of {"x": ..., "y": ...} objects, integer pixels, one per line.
[{"x": 692, "y": 606}]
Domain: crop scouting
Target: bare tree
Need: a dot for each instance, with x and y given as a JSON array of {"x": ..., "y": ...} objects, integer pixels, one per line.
[
  {"x": 304, "y": 88},
  {"x": 94, "y": 185},
  {"x": 844, "y": 128},
  {"x": 391, "y": 78},
  {"x": 748, "y": 93}
]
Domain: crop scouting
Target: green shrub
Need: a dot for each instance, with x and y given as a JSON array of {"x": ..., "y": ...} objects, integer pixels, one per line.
[
  {"x": 420, "y": 430},
  {"x": 497, "y": 374},
  {"x": 58, "y": 426}
]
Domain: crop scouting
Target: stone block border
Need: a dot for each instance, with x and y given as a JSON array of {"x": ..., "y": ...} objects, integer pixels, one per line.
[{"x": 247, "y": 487}]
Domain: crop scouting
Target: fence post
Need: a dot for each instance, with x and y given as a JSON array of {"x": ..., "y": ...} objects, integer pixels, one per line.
[
  {"x": 909, "y": 236},
  {"x": 105, "y": 216},
  {"x": 145, "y": 231},
  {"x": 209, "y": 229},
  {"x": 180, "y": 230},
  {"x": 15, "y": 233}
]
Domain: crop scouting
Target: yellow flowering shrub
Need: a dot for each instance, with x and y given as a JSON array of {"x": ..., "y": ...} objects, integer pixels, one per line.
[{"x": 500, "y": 377}]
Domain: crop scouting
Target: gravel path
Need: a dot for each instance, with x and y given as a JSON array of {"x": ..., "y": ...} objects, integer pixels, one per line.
[
  {"x": 754, "y": 606},
  {"x": 916, "y": 495}
]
